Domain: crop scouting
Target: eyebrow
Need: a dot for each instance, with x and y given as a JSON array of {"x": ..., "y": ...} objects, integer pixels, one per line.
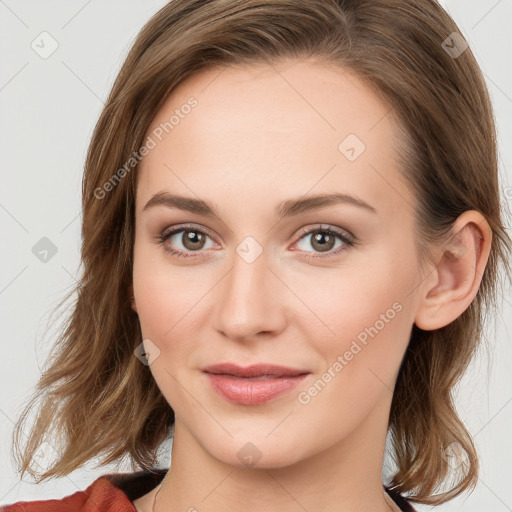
[{"x": 287, "y": 208}]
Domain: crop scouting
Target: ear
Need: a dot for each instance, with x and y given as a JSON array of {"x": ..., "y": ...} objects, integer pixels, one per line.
[
  {"x": 132, "y": 298},
  {"x": 452, "y": 285}
]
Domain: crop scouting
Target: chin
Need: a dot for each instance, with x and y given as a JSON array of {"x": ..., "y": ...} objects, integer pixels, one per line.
[{"x": 257, "y": 451}]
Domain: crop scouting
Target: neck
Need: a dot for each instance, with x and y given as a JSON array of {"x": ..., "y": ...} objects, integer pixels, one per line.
[{"x": 343, "y": 477}]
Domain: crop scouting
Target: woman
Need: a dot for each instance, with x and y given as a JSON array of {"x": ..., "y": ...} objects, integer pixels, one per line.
[{"x": 291, "y": 229}]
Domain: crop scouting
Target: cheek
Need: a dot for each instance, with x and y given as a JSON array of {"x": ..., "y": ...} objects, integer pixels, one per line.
[
  {"x": 369, "y": 319},
  {"x": 165, "y": 294},
  {"x": 165, "y": 308},
  {"x": 359, "y": 361}
]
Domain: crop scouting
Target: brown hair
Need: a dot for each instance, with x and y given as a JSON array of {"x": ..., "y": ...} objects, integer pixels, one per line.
[{"x": 99, "y": 399}]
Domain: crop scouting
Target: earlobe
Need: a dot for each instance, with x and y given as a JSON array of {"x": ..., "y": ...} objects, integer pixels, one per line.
[{"x": 456, "y": 278}]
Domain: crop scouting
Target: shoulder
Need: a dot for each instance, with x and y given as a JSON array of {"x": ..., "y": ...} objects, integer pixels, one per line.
[
  {"x": 102, "y": 496},
  {"x": 111, "y": 492}
]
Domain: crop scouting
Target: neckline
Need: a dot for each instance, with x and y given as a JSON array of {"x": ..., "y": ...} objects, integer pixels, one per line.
[{"x": 139, "y": 483}]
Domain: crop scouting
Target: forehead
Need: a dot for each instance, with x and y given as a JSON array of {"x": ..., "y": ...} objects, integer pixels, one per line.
[{"x": 274, "y": 130}]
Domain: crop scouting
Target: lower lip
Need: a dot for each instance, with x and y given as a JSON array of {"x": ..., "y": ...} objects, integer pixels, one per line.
[{"x": 252, "y": 392}]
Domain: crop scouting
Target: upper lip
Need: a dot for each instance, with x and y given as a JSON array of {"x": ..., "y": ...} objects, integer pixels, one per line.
[{"x": 255, "y": 370}]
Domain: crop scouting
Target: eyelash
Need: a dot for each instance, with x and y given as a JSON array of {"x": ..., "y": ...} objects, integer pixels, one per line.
[{"x": 347, "y": 239}]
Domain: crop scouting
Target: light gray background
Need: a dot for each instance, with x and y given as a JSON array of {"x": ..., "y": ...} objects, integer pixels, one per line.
[{"x": 48, "y": 110}]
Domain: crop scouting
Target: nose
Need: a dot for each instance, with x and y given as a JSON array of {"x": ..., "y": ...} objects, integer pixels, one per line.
[{"x": 250, "y": 300}]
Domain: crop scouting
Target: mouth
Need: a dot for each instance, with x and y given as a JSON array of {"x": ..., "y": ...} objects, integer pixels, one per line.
[
  {"x": 253, "y": 385},
  {"x": 256, "y": 371}
]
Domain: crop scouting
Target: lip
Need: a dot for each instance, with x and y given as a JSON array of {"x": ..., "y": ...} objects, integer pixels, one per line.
[
  {"x": 255, "y": 370},
  {"x": 253, "y": 385}
]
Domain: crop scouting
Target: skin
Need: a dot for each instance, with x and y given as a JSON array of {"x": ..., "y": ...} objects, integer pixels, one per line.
[{"x": 260, "y": 135}]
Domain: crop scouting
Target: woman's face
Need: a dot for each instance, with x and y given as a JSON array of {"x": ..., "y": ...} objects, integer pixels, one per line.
[{"x": 259, "y": 280}]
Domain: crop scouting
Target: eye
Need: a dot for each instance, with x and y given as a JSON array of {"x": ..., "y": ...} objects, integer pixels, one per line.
[
  {"x": 323, "y": 239},
  {"x": 193, "y": 240},
  {"x": 189, "y": 238}
]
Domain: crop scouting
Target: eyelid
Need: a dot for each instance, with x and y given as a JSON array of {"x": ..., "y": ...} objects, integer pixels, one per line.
[
  {"x": 306, "y": 230},
  {"x": 302, "y": 231},
  {"x": 179, "y": 227}
]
